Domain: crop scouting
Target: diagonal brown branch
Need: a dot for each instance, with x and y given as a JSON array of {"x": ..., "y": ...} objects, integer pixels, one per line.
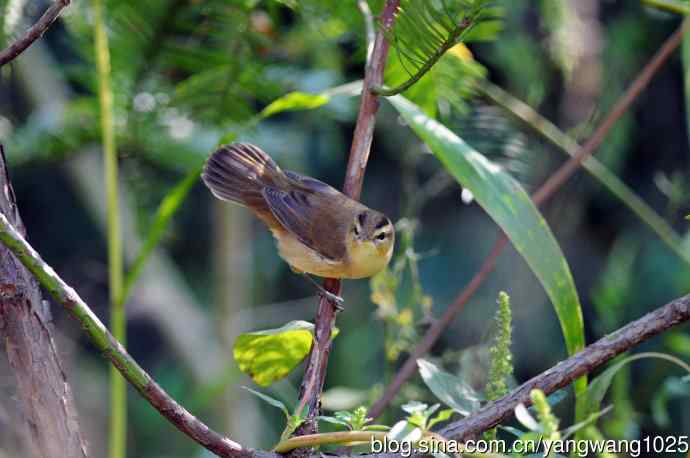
[
  {"x": 570, "y": 369},
  {"x": 553, "y": 184},
  {"x": 315, "y": 372},
  {"x": 113, "y": 350},
  {"x": 34, "y": 32}
]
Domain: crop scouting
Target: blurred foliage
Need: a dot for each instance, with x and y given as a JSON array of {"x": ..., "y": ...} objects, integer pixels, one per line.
[{"x": 187, "y": 75}]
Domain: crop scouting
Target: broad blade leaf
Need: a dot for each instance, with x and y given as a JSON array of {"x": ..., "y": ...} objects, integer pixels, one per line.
[
  {"x": 270, "y": 355},
  {"x": 513, "y": 210},
  {"x": 448, "y": 388}
]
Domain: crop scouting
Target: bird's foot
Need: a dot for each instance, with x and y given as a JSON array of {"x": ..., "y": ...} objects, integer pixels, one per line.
[{"x": 334, "y": 299}]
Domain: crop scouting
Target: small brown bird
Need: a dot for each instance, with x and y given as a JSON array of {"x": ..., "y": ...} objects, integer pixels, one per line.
[{"x": 318, "y": 229}]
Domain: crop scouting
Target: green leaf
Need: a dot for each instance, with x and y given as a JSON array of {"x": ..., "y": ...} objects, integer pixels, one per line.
[
  {"x": 294, "y": 101},
  {"x": 443, "y": 415},
  {"x": 269, "y": 400},
  {"x": 227, "y": 138},
  {"x": 511, "y": 207},
  {"x": 583, "y": 424},
  {"x": 600, "y": 385},
  {"x": 678, "y": 342},
  {"x": 270, "y": 355},
  {"x": 333, "y": 420},
  {"x": 403, "y": 431},
  {"x": 448, "y": 388},
  {"x": 166, "y": 210}
]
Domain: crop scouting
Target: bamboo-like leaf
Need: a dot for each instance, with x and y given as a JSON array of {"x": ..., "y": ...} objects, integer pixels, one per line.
[
  {"x": 269, "y": 400},
  {"x": 294, "y": 101},
  {"x": 513, "y": 210},
  {"x": 166, "y": 210}
]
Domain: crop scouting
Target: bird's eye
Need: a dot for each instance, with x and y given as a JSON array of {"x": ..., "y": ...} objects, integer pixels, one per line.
[{"x": 381, "y": 236}]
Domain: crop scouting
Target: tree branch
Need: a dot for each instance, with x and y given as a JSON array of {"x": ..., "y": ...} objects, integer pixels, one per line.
[
  {"x": 570, "y": 369},
  {"x": 315, "y": 372},
  {"x": 555, "y": 182},
  {"x": 35, "y": 32},
  {"x": 114, "y": 351},
  {"x": 50, "y": 415}
]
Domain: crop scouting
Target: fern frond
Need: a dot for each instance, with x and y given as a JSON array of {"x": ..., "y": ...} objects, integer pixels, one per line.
[{"x": 425, "y": 29}]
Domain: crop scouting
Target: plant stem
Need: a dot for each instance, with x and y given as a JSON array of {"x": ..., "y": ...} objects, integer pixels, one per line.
[
  {"x": 35, "y": 32},
  {"x": 118, "y": 388},
  {"x": 669, "y": 5},
  {"x": 339, "y": 437},
  {"x": 315, "y": 372},
  {"x": 104, "y": 341}
]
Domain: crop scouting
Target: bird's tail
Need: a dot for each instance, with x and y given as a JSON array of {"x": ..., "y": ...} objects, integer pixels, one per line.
[{"x": 239, "y": 171}]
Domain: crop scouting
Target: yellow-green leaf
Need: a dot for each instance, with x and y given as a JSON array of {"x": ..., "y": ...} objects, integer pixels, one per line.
[
  {"x": 269, "y": 355},
  {"x": 294, "y": 101}
]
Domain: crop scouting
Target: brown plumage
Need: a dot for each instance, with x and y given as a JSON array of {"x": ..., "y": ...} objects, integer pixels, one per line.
[{"x": 319, "y": 229}]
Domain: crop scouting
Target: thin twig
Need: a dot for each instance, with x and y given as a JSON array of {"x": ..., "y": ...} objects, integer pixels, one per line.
[
  {"x": 543, "y": 193},
  {"x": 35, "y": 32},
  {"x": 114, "y": 351},
  {"x": 574, "y": 367},
  {"x": 315, "y": 372}
]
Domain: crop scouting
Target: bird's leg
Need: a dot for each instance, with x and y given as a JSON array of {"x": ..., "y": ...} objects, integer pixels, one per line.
[{"x": 334, "y": 298}]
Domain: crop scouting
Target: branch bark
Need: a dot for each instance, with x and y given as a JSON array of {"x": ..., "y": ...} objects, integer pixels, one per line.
[
  {"x": 50, "y": 422},
  {"x": 34, "y": 32},
  {"x": 106, "y": 343},
  {"x": 553, "y": 184},
  {"x": 570, "y": 369},
  {"x": 315, "y": 372}
]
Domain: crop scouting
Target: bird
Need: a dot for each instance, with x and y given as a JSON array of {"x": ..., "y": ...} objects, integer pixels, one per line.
[{"x": 318, "y": 229}]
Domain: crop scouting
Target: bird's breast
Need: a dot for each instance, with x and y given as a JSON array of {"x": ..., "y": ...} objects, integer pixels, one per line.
[{"x": 305, "y": 259}]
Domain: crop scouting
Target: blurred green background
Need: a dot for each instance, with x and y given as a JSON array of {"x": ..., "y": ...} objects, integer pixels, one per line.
[{"x": 187, "y": 74}]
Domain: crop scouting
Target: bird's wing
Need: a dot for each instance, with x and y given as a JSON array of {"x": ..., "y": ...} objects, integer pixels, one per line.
[{"x": 298, "y": 212}]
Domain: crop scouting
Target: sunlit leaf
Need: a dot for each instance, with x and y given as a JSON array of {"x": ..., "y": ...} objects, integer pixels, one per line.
[
  {"x": 270, "y": 355},
  {"x": 448, "y": 388},
  {"x": 294, "y": 101},
  {"x": 403, "y": 431},
  {"x": 513, "y": 210},
  {"x": 526, "y": 419}
]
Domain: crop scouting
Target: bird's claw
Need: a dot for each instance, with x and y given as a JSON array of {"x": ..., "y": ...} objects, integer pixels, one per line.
[{"x": 334, "y": 299}]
